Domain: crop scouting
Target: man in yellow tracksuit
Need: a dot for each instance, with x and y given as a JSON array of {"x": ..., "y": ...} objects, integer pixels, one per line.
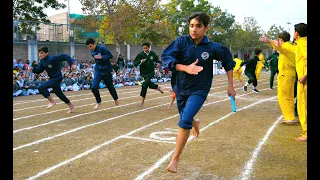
[
  {"x": 238, "y": 73},
  {"x": 300, "y": 36},
  {"x": 300, "y": 50},
  {"x": 260, "y": 65},
  {"x": 286, "y": 76}
]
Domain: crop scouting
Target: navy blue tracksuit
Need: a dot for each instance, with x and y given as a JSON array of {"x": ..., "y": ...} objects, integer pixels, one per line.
[
  {"x": 192, "y": 90},
  {"x": 102, "y": 71},
  {"x": 52, "y": 65}
]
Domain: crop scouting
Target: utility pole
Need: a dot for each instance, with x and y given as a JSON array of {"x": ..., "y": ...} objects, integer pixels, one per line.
[{"x": 68, "y": 19}]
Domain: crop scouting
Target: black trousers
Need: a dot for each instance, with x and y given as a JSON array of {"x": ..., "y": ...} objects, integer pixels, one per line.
[
  {"x": 252, "y": 78},
  {"x": 147, "y": 83}
]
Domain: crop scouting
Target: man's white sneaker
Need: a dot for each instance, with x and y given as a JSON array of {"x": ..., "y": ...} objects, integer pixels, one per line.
[{"x": 255, "y": 90}]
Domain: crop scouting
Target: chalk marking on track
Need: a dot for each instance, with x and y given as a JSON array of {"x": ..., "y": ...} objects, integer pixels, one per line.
[
  {"x": 248, "y": 168},
  {"x": 82, "y": 127},
  {"x": 167, "y": 85},
  {"x": 24, "y": 117},
  {"x": 166, "y": 157},
  {"x": 84, "y": 94},
  {"x": 91, "y": 112},
  {"x": 95, "y": 148},
  {"x": 151, "y": 140},
  {"x": 28, "y": 108},
  {"x": 154, "y": 135},
  {"x": 48, "y": 170}
]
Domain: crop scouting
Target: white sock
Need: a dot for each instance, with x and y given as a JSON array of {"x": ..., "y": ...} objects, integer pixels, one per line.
[{"x": 246, "y": 84}]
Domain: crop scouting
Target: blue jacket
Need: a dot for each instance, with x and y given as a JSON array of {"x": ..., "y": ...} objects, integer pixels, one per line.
[
  {"x": 183, "y": 51},
  {"x": 52, "y": 65},
  {"x": 102, "y": 65}
]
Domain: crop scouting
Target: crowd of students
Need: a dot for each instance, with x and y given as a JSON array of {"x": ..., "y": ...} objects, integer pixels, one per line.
[{"x": 25, "y": 83}]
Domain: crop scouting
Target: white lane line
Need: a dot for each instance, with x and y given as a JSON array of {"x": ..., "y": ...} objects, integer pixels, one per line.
[
  {"x": 118, "y": 90},
  {"x": 91, "y": 112},
  {"x": 167, "y": 156},
  {"x": 76, "y": 129},
  {"x": 167, "y": 85},
  {"x": 63, "y": 119},
  {"x": 84, "y": 94},
  {"x": 155, "y": 166},
  {"x": 94, "y": 149},
  {"x": 248, "y": 168},
  {"x": 24, "y": 117},
  {"x": 151, "y": 140},
  {"x": 28, "y": 108},
  {"x": 72, "y": 159},
  {"x": 80, "y": 106},
  {"x": 48, "y": 170},
  {"x": 82, "y": 127}
]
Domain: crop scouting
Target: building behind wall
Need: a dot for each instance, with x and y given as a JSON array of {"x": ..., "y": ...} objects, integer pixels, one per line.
[{"x": 57, "y": 30}]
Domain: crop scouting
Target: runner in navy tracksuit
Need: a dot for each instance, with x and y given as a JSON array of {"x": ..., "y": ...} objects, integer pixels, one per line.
[
  {"x": 190, "y": 58},
  {"x": 102, "y": 71},
  {"x": 52, "y": 65}
]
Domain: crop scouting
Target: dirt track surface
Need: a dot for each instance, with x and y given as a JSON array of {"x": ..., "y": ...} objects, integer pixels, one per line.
[{"x": 131, "y": 142}]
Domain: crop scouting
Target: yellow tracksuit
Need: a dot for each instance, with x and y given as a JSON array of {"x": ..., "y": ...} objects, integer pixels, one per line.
[
  {"x": 286, "y": 79},
  {"x": 260, "y": 65},
  {"x": 301, "y": 68},
  {"x": 239, "y": 73}
]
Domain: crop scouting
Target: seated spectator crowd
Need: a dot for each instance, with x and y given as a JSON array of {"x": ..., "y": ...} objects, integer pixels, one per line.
[{"x": 25, "y": 82}]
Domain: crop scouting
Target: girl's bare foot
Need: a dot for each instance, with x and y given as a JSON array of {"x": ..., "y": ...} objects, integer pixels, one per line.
[
  {"x": 51, "y": 104},
  {"x": 96, "y": 106},
  {"x": 172, "y": 167},
  {"x": 116, "y": 102},
  {"x": 71, "y": 107},
  {"x": 196, "y": 128}
]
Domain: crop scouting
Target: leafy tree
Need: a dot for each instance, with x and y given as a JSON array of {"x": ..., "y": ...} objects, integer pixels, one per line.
[
  {"x": 131, "y": 21},
  {"x": 274, "y": 31},
  {"x": 153, "y": 25},
  {"x": 119, "y": 27},
  {"x": 246, "y": 37},
  {"x": 220, "y": 27},
  {"x": 32, "y": 10},
  {"x": 79, "y": 34},
  {"x": 179, "y": 10},
  {"x": 98, "y": 7}
]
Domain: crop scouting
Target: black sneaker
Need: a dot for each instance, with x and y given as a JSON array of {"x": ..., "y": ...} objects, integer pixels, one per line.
[
  {"x": 255, "y": 90},
  {"x": 244, "y": 88}
]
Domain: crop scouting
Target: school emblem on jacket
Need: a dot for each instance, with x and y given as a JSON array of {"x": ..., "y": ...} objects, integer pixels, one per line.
[
  {"x": 49, "y": 66},
  {"x": 205, "y": 55},
  {"x": 151, "y": 57}
]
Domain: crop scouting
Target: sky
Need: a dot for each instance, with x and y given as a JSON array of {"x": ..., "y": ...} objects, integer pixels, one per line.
[{"x": 284, "y": 13}]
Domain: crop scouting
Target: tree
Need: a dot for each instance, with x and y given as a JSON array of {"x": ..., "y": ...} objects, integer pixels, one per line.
[
  {"x": 274, "y": 31},
  {"x": 32, "y": 10},
  {"x": 98, "y": 7},
  {"x": 130, "y": 21},
  {"x": 179, "y": 10},
  {"x": 221, "y": 24},
  {"x": 119, "y": 26},
  {"x": 31, "y": 13},
  {"x": 79, "y": 34},
  {"x": 246, "y": 37},
  {"x": 154, "y": 26}
]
